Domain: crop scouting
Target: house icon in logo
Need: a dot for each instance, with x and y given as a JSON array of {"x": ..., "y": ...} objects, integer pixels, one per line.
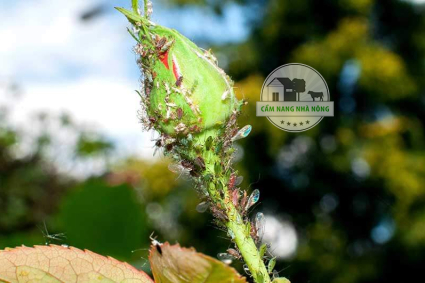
[{"x": 285, "y": 89}]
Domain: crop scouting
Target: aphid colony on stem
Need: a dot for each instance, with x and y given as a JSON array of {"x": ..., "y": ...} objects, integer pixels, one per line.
[{"x": 190, "y": 102}]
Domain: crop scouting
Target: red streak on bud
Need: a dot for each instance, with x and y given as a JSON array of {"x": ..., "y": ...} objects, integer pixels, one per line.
[
  {"x": 164, "y": 59},
  {"x": 176, "y": 69}
]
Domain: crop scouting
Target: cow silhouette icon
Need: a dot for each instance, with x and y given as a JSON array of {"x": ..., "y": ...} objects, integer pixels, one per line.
[{"x": 315, "y": 95}]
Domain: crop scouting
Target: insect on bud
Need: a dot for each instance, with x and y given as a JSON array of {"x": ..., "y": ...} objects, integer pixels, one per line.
[{"x": 177, "y": 72}]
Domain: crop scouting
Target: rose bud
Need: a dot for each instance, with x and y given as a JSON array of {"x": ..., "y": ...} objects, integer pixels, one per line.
[{"x": 184, "y": 89}]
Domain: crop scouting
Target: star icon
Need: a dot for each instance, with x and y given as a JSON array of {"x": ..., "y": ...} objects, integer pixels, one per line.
[
  {"x": 301, "y": 123},
  {"x": 308, "y": 122},
  {"x": 295, "y": 124},
  {"x": 282, "y": 122},
  {"x": 288, "y": 124}
]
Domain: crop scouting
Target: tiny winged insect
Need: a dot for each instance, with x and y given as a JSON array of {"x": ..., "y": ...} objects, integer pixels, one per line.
[
  {"x": 202, "y": 207},
  {"x": 51, "y": 237},
  {"x": 253, "y": 199},
  {"x": 156, "y": 244},
  {"x": 242, "y": 133},
  {"x": 178, "y": 169},
  {"x": 234, "y": 253},
  {"x": 238, "y": 180},
  {"x": 260, "y": 223}
]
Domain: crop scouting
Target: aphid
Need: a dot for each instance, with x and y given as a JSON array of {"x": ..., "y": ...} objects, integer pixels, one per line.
[
  {"x": 179, "y": 113},
  {"x": 263, "y": 250},
  {"x": 253, "y": 198},
  {"x": 218, "y": 147},
  {"x": 217, "y": 168},
  {"x": 207, "y": 177},
  {"x": 225, "y": 258},
  {"x": 260, "y": 223},
  {"x": 161, "y": 43},
  {"x": 243, "y": 201},
  {"x": 242, "y": 133},
  {"x": 231, "y": 182},
  {"x": 187, "y": 164},
  {"x": 208, "y": 143},
  {"x": 271, "y": 265},
  {"x": 179, "y": 81},
  {"x": 178, "y": 169},
  {"x": 238, "y": 180},
  {"x": 202, "y": 207},
  {"x": 166, "y": 46},
  {"x": 235, "y": 197},
  {"x": 156, "y": 244},
  {"x": 234, "y": 253},
  {"x": 180, "y": 128},
  {"x": 199, "y": 161},
  {"x": 194, "y": 128},
  {"x": 148, "y": 76},
  {"x": 219, "y": 214},
  {"x": 152, "y": 120}
]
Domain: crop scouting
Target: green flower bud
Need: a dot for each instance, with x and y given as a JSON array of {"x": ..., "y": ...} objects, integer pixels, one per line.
[{"x": 184, "y": 89}]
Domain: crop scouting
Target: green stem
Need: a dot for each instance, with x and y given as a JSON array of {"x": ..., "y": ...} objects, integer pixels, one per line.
[
  {"x": 237, "y": 226},
  {"x": 145, "y": 8}
]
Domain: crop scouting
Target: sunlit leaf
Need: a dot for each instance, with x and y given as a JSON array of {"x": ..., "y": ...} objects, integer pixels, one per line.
[
  {"x": 174, "y": 264},
  {"x": 63, "y": 264}
]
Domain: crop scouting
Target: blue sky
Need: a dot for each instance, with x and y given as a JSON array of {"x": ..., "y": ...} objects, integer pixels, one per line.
[{"x": 88, "y": 69}]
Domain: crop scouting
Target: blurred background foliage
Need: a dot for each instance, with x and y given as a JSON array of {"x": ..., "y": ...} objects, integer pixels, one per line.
[{"x": 345, "y": 201}]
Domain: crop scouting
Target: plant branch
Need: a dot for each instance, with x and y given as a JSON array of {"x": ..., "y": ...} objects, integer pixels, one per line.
[{"x": 238, "y": 227}]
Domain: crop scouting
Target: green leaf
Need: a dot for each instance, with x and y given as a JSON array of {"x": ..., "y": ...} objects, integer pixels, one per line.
[
  {"x": 131, "y": 16},
  {"x": 173, "y": 264},
  {"x": 135, "y": 6}
]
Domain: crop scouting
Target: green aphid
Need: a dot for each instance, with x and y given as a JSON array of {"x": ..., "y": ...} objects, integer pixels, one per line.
[
  {"x": 208, "y": 143},
  {"x": 248, "y": 230},
  {"x": 208, "y": 177},
  {"x": 218, "y": 147},
  {"x": 217, "y": 168},
  {"x": 271, "y": 265},
  {"x": 263, "y": 250}
]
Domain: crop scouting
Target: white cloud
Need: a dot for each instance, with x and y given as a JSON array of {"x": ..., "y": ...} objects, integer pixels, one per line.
[{"x": 46, "y": 39}]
